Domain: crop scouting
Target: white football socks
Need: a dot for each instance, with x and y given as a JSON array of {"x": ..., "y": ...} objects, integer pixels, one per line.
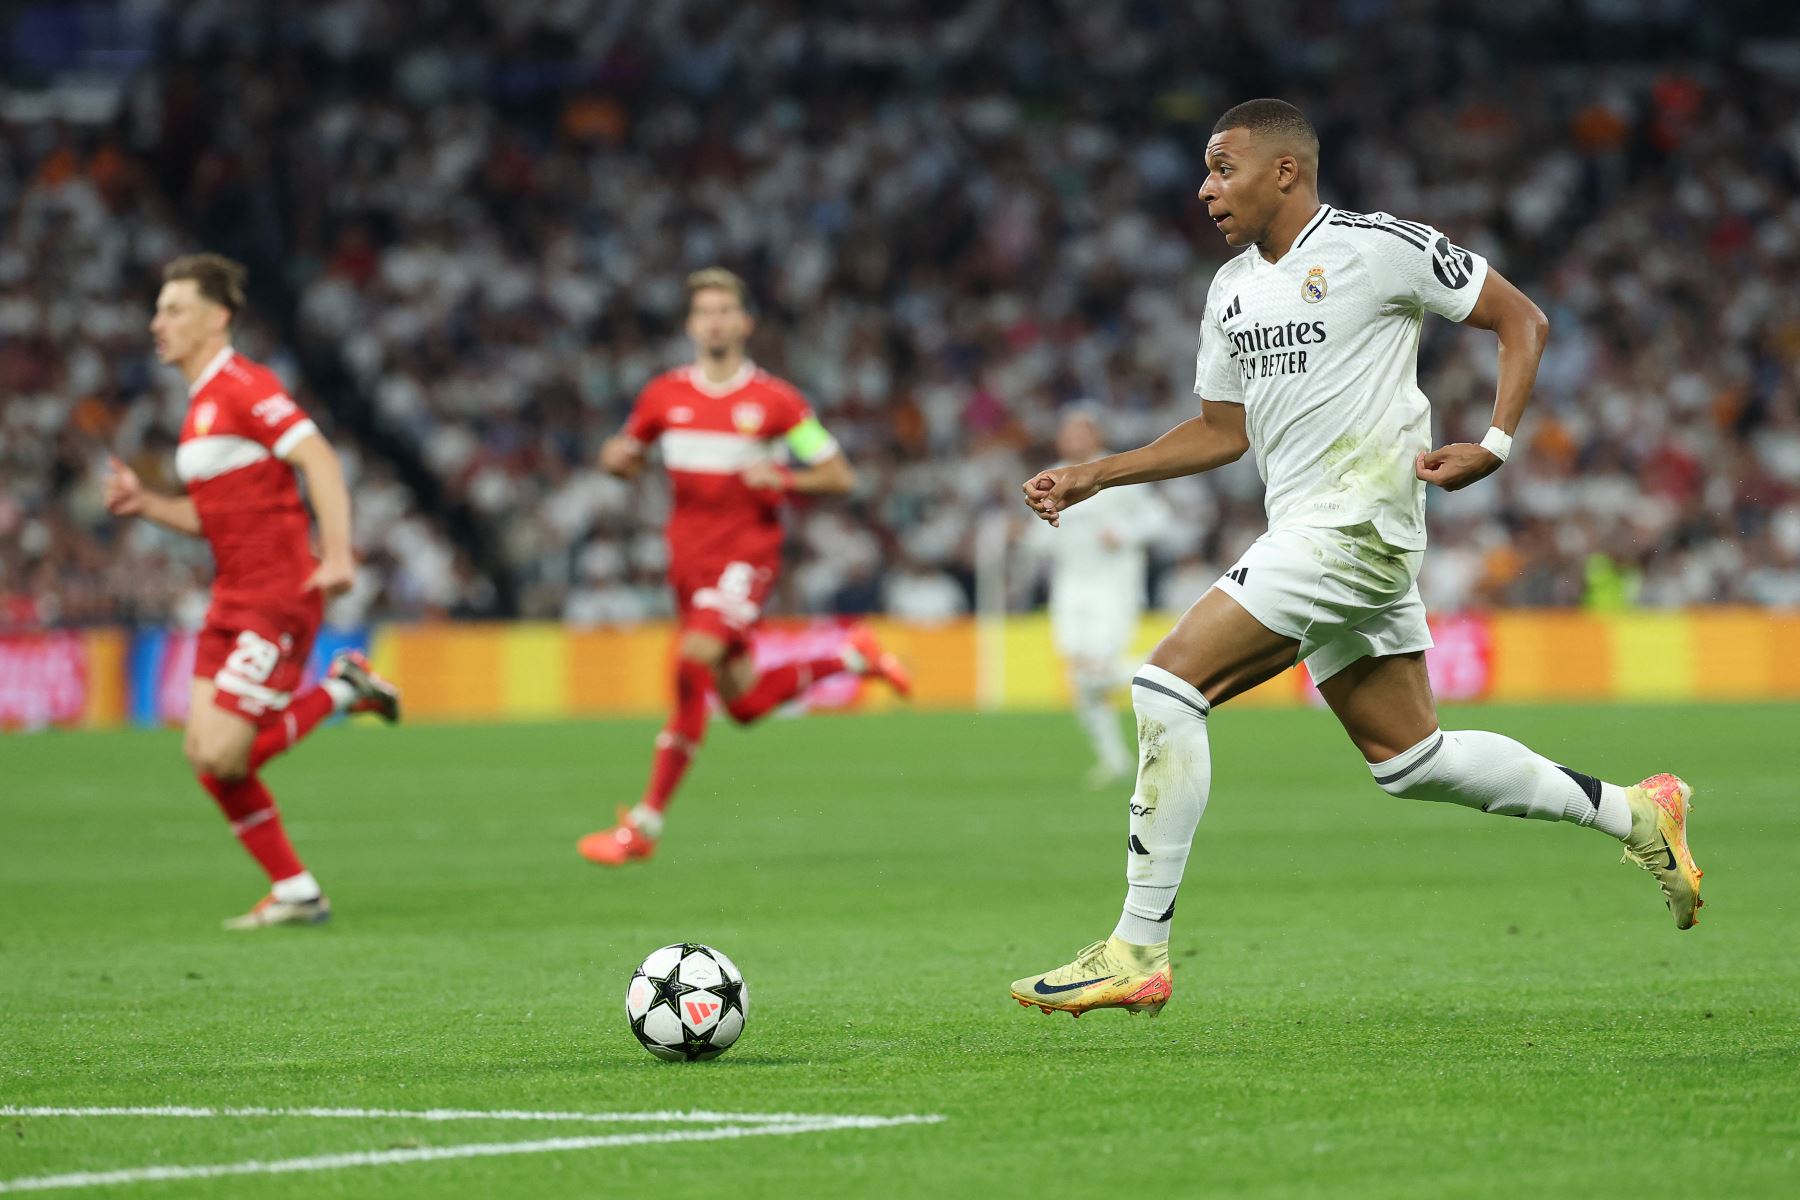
[
  {"x": 1174, "y": 776},
  {"x": 1498, "y": 775},
  {"x": 342, "y": 693},
  {"x": 296, "y": 889},
  {"x": 1093, "y": 708},
  {"x": 647, "y": 819}
]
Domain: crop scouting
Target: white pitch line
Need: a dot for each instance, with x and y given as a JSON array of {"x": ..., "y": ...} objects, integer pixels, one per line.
[
  {"x": 691, "y": 1117},
  {"x": 380, "y": 1158}
]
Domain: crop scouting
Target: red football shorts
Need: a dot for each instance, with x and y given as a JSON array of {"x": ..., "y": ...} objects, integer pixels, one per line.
[
  {"x": 255, "y": 657},
  {"x": 724, "y": 600}
]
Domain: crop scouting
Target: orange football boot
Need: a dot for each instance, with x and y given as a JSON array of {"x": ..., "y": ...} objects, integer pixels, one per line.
[
  {"x": 878, "y": 662},
  {"x": 619, "y": 845}
]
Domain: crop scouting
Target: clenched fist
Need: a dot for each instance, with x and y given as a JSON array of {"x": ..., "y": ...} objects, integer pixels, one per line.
[
  {"x": 124, "y": 491},
  {"x": 1050, "y": 492},
  {"x": 1457, "y": 465},
  {"x": 333, "y": 576}
]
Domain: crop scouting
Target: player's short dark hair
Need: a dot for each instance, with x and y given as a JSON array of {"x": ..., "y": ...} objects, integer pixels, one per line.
[
  {"x": 1275, "y": 118},
  {"x": 218, "y": 278},
  {"x": 718, "y": 279}
]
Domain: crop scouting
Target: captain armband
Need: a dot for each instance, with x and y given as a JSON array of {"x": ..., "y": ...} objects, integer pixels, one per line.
[{"x": 809, "y": 443}]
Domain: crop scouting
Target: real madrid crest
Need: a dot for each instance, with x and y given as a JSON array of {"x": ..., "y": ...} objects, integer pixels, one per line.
[
  {"x": 203, "y": 417},
  {"x": 747, "y": 417},
  {"x": 1313, "y": 290}
]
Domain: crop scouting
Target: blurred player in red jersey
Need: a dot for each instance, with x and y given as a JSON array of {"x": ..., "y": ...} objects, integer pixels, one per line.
[
  {"x": 241, "y": 444},
  {"x": 720, "y": 423}
]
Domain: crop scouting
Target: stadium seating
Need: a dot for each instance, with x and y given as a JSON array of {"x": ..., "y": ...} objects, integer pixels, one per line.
[{"x": 953, "y": 233}]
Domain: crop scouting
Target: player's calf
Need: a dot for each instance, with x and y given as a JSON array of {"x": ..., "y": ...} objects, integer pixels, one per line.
[
  {"x": 218, "y": 739},
  {"x": 704, "y": 649},
  {"x": 1497, "y": 775}
]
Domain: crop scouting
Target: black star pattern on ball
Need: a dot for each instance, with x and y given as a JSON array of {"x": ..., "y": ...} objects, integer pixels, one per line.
[
  {"x": 730, "y": 992},
  {"x": 669, "y": 990}
]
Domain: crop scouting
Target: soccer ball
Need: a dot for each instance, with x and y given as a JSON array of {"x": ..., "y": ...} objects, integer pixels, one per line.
[{"x": 687, "y": 1001}]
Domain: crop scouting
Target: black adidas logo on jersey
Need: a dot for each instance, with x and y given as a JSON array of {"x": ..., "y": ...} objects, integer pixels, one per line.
[{"x": 1231, "y": 310}]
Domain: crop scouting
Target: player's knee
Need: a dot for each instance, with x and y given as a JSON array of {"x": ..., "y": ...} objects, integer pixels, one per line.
[
  {"x": 1159, "y": 695},
  {"x": 226, "y": 763},
  {"x": 1401, "y": 789},
  {"x": 227, "y": 768},
  {"x": 1412, "y": 774},
  {"x": 702, "y": 649}
]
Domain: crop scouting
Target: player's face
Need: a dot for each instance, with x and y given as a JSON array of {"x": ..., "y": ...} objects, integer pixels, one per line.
[
  {"x": 717, "y": 323},
  {"x": 1242, "y": 188},
  {"x": 184, "y": 320},
  {"x": 1078, "y": 440}
]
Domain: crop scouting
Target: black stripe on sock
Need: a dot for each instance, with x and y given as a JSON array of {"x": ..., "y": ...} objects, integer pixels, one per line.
[
  {"x": 1415, "y": 765},
  {"x": 1140, "y": 681},
  {"x": 1136, "y": 847},
  {"x": 1168, "y": 913},
  {"x": 1587, "y": 783}
]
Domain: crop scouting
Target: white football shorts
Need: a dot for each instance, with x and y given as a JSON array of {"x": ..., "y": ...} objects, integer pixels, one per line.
[
  {"x": 1092, "y": 627},
  {"x": 1343, "y": 594}
]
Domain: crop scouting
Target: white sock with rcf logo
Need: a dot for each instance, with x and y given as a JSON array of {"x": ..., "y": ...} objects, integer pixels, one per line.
[{"x": 1174, "y": 776}]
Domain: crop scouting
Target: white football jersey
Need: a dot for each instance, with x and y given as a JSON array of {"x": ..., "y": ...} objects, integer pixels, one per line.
[
  {"x": 1322, "y": 350},
  {"x": 1098, "y": 551}
]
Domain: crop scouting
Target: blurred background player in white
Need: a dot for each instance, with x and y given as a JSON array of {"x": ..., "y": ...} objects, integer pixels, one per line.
[
  {"x": 243, "y": 445},
  {"x": 1309, "y": 356},
  {"x": 1098, "y": 559}
]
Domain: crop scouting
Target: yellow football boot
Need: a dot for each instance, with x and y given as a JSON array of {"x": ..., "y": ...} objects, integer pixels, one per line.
[
  {"x": 1658, "y": 843},
  {"x": 1109, "y": 974}
]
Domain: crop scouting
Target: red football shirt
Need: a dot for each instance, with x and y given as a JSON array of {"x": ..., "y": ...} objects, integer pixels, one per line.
[
  {"x": 709, "y": 432},
  {"x": 240, "y": 426}
]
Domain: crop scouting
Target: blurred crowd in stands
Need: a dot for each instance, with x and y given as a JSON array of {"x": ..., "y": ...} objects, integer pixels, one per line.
[{"x": 959, "y": 218}]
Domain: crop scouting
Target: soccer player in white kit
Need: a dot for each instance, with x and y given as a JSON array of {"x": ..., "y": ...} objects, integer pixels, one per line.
[
  {"x": 1308, "y": 356},
  {"x": 1098, "y": 557}
]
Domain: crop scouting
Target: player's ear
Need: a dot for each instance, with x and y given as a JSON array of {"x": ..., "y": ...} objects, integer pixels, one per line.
[{"x": 1287, "y": 172}]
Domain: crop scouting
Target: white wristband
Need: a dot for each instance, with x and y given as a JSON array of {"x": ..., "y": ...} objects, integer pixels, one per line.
[{"x": 1497, "y": 442}]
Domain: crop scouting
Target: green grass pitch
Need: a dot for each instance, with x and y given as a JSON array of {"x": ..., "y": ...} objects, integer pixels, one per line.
[{"x": 1373, "y": 997}]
